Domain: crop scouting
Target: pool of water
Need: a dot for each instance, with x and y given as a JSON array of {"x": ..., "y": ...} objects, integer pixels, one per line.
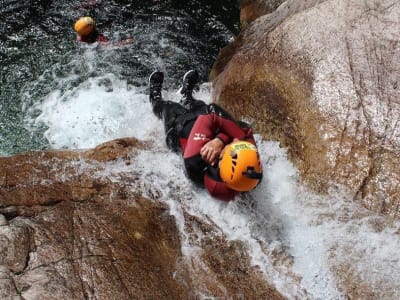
[{"x": 40, "y": 56}]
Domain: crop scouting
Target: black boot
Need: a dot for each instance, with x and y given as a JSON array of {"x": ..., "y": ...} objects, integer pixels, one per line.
[
  {"x": 155, "y": 83},
  {"x": 189, "y": 82}
]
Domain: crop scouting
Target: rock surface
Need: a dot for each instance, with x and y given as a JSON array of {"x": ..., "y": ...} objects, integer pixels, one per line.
[
  {"x": 70, "y": 231},
  {"x": 322, "y": 78}
]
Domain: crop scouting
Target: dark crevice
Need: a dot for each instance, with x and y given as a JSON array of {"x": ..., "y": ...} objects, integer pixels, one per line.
[
  {"x": 51, "y": 202},
  {"x": 14, "y": 211},
  {"x": 358, "y": 84},
  {"x": 9, "y": 213}
]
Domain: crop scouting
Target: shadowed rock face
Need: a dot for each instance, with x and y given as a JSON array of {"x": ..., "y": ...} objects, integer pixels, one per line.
[
  {"x": 322, "y": 78},
  {"x": 67, "y": 232}
]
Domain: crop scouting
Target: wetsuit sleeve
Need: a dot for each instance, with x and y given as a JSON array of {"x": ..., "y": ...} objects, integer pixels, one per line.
[
  {"x": 207, "y": 127},
  {"x": 216, "y": 187},
  {"x": 226, "y": 139},
  {"x": 249, "y": 135}
]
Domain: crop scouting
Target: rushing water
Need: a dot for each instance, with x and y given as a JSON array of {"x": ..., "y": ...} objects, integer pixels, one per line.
[
  {"x": 56, "y": 93},
  {"x": 40, "y": 56}
]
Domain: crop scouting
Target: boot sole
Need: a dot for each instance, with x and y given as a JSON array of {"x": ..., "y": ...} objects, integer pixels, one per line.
[
  {"x": 151, "y": 75},
  {"x": 183, "y": 80}
]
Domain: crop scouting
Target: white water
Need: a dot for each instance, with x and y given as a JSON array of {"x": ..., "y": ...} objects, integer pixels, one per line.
[{"x": 295, "y": 237}]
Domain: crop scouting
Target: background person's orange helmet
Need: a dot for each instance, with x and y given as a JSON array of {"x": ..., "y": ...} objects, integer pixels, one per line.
[
  {"x": 84, "y": 26},
  {"x": 240, "y": 166}
]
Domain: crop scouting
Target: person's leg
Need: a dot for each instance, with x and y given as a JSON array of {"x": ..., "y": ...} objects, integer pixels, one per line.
[
  {"x": 189, "y": 81},
  {"x": 168, "y": 111},
  {"x": 155, "y": 85},
  {"x": 163, "y": 109}
]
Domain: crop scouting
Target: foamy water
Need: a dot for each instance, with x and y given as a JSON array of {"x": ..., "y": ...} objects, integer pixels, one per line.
[{"x": 295, "y": 237}]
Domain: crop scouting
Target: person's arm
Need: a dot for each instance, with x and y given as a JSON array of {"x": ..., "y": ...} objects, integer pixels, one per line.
[
  {"x": 210, "y": 126},
  {"x": 229, "y": 128},
  {"x": 200, "y": 134},
  {"x": 218, "y": 189}
]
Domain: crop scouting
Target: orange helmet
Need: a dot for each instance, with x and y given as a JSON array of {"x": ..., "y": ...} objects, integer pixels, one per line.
[
  {"x": 84, "y": 26},
  {"x": 240, "y": 166}
]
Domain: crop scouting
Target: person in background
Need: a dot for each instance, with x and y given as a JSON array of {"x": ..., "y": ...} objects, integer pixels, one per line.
[
  {"x": 218, "y": 152},
  {"x": 85, "y": 28}
]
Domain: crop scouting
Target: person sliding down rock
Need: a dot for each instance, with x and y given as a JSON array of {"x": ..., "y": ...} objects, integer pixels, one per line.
[
  {"x": 85, "y": 28},
  {"x": 218, "y": 152}
]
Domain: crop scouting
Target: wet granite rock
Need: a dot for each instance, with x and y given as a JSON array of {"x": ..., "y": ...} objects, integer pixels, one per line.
[
  {"x": 322, "y": 78},
  {"x": 73, "y": 227},
  {"x": 8, "y": 289}
]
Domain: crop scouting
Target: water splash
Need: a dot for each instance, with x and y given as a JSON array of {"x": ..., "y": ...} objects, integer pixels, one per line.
[{"x": 299, "y": 240}]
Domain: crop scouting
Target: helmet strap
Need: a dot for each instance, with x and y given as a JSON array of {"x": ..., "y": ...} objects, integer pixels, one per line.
[{"x": 251, "y": 173}]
